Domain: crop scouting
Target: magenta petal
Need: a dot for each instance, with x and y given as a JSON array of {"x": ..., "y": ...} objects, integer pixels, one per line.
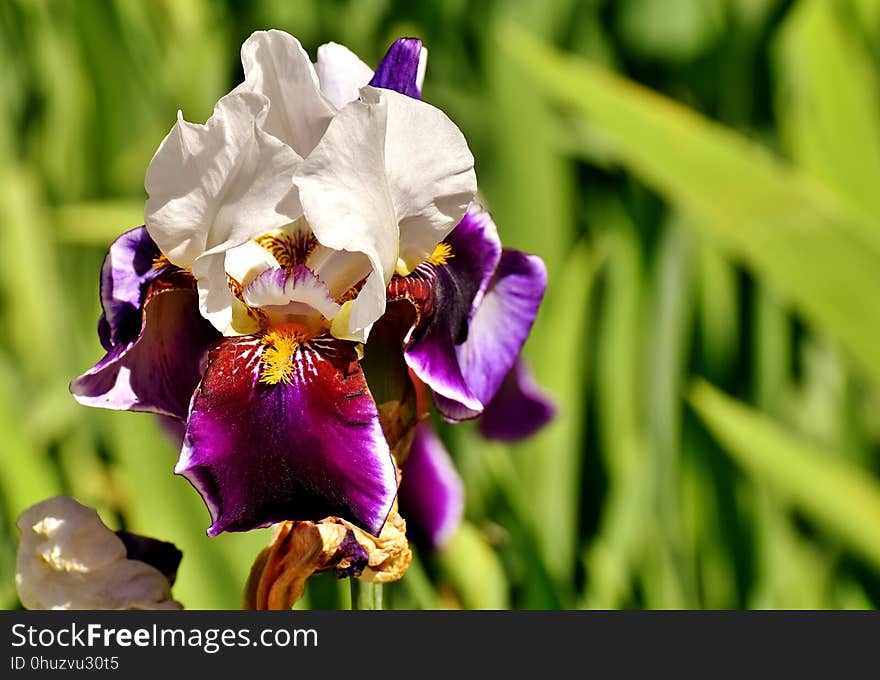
[
  {"x": 519, "y": 408},
  {"x": 299, "y": 450},
  {"x": 127, "y": 271},
  {"x": 431, "y": 493},
  {"x": 459, "y": 284},
  {"x": 399, "y": 68},
  {"x": 158, "y": 370},
  {"x": 498, "y": 329}
]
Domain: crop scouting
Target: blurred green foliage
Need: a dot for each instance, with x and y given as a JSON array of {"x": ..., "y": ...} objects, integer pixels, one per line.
[{"x": 702, "y": 178}]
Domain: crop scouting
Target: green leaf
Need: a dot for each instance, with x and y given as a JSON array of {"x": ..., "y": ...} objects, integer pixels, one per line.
[
  {"x": 829, "y": 104},
  {"x": 26, "y": 472},
  {"x": 550, "y": 463},
  {"x": 98, "y": 222},
  {"x": 674, "y": 31},
  {"x": 789, "y": 230},
  {"x": 472, "y": 568},
  {"x": 839, "y": 496}
]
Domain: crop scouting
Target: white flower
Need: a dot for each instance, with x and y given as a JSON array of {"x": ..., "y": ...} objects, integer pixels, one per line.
[
  {"x": 359, "y": 181},
  {"x": 68, "y": 559}
]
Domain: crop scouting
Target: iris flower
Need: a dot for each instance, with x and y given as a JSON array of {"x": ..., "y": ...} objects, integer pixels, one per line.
[
  {"x": 317, "y": 202},
  {"x": 69, "y": 559}
]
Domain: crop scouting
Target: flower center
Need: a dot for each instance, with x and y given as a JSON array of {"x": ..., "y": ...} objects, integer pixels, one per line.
[
  {"x": 289, "y": 249},
  {"x": 281, "y": 345},
  {"x": 441, "y": 255},
  {"x": 161, "y": 261}
]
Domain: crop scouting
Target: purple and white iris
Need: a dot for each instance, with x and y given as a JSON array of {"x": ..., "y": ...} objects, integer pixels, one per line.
[{"x": 317, "y": 200}]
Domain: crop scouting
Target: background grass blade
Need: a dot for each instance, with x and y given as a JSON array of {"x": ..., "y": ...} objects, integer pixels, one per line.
[
  {"x": 828, "y": 101},
  {"x": 781, "y": 224},
  {"x": 839, "y": 496}
]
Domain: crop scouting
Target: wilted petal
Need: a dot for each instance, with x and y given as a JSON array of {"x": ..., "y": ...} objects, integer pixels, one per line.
[
  {"x": 498, "y": 329},
  {"x": 341, "y": 73},
  {"x": 278, "y": 576},
  {"x": 431, "y": 492},
  {"x": 519, "y": 409},
  {"x": 433, "y": 353},
  {"x": 402, "y": 68},
  {"x": 128, "y": 269},
  {"x": 430, "y": 172},
  {"x": 68, "y": 559},
  {"x": 300, "y": 549},
  {"x": 215, "y": 186},
  {"x": 159, "y": 370},
  {"x": 306, "y": 447}
]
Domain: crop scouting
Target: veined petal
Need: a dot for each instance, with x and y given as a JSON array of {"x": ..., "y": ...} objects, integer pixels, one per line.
[
  {"x": 431, "y": 492},
  {"x": 519, "y": 409},
  {"x": 430, "y": 174},
  {"x": 499, "y": 328},
  {"x": 128, "y": 269},
  {"x": 341, "y": 73},
  {"x": 215, "y": 186},
  {"x": 474, "y": 251},
  {"x": 158, "y": 370},
  {"x": 402, "y": 68},
  {"x": 285, "y": 295},
  {"x": 346, "y": 202},
  {"x": 277, "y": 66},
  {"x": 304, "y": 448}
]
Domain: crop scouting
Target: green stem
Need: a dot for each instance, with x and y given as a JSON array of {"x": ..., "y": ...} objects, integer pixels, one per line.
[{"x": 365, "y": 595}]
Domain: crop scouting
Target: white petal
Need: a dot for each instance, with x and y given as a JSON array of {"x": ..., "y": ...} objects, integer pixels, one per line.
[
  {"x": 219, "y": 184},
  {"x": 423, "y": 65},
  {"x": 430, "y": 172},
  {"x": 68, "y": 559},
  {"x": 276, "y": 65},
  {"x": 356, "y": 318},
  {"x": 345, "y": 198},
  {"x": 341, "y": 73},
  {"x": 217, "y": 303},
  {"x": 246, "y": 262},
  {"x": 339, "y": 269}
]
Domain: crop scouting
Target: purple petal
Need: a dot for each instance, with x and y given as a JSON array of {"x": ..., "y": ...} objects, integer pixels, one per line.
[
  {"x": 127, "y": 271},
  {"x": 159, "y": 370},
  {"x": 458, "y": 285},
  {"x": 431, "y": 493},
  {"x": 498, "y": 329},
  {"x": 519, "y": 408},
  {"x": 304, "y": 448},
  {"x": 175, "y": 428},
  {"x": 399, "y": 68}
]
